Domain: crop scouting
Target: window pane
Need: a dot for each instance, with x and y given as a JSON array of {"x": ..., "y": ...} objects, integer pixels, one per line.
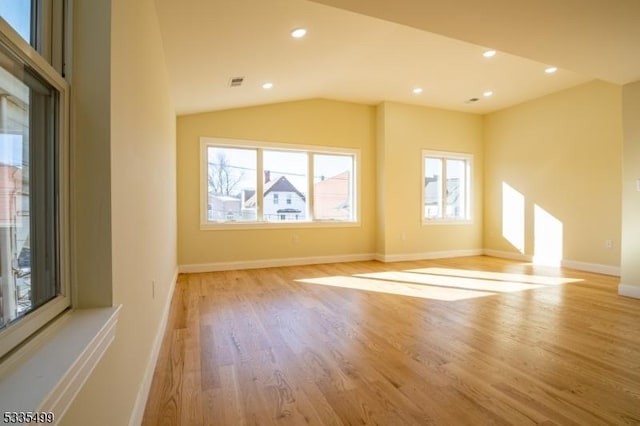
[
  {"x": 28, "y": 188},
  {"x": 333, "y": 197},
  {"x": 285, "y": 178},
  {"x": 433, "y": 188},
  {"x": 231, "y": 184},
  {"x": 17, "y": 13},
  {"x": 456, "y": 189}
]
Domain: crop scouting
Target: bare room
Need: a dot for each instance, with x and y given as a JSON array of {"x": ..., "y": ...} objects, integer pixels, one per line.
[{"x": 321, "y": 212}]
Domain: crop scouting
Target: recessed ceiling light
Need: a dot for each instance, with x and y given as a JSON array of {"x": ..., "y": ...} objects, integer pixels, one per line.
[
  {"x": 417, "y": 90},
  {"x": 267, "y": 86},
  {"x": 487, "y": 93},
  {"x": 550, "y": 70},
  {"x": 298, "y": 33},
  {"x": 489, "y": 53}
]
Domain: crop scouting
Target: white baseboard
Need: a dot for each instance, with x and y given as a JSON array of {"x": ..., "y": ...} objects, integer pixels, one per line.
[
  {"x": 508, "y": 255},
  {"x": 592, "y": 267},
  {"x": 270, "y": 263},
  {"x": 428, "y": 255},
  {"x": 565, "y": 263},
  {"x": 143, "y": 393},
  {"x": 629, "y": 290},
  {"x": 314, "y": 260}
]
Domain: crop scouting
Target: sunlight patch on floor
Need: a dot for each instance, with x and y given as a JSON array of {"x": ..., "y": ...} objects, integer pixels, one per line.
[
  {"x": 498, "y": 276},
  {"x": 453, "y": 282},
  {"x": 398, "y": 288},
  {"x": 446, "y": 284}
]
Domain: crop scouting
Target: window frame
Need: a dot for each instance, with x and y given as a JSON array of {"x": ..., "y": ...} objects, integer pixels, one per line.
[
  {"x": 26, "y": 326},
  {"x": 447, "y": 155},
  {"x": 260, "y": 223}
]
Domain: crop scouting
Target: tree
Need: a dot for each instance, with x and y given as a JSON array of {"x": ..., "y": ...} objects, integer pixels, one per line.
[{"x": 223, "y": 177}]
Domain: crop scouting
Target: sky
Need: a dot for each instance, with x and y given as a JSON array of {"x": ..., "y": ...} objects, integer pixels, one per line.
[
  {"x": 18, "y": 14},
  {"x": 11, "y": 150},
  {"x": 293, "y": 165}
]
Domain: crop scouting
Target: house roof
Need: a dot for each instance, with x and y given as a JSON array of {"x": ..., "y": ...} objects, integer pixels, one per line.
[{"x": 281, "y": 184}]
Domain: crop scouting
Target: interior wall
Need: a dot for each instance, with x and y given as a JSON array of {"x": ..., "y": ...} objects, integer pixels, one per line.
[
  {"x": 408, "y": 130},
  {"x": 631, "y": 194},
  {"x": 381, "y": 138},
  {"x": 140, "y": 144},
  {"x": 556, "y": 159},
  {"x": 91, "y": 169},
  {"x": 310, "y": 122}
]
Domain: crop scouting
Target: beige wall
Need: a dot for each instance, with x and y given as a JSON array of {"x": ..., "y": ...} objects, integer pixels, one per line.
[
  {"x": 407, "y": 131},
  {"x": 90, "y": 129},
  {"x": 391, "y": 138},
  {"x": 310, "y": 122},
  {"x": 140, "y": 144},
  {"x": 631, "y": 197},
  {"x": 381, "y": 138},
  {"x": 563, "y": 153}
]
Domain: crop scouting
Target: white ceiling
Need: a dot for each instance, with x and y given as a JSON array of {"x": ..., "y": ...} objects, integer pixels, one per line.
[{"x": 353, "y": 57}]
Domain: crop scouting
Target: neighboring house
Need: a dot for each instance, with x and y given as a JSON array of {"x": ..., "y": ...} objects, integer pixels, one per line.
[
  {"x": 10, "y": 189},
  {"x": 15, "y": 266},
  {"x": 432, "y": 196},
  {"x": 282, "y": 200},
  {"x": 223, "y": 207},
  {"x": 332, "y": 200}
]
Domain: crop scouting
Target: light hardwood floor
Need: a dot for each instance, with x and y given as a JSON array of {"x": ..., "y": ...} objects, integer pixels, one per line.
[{"x": 474, "y": 341}]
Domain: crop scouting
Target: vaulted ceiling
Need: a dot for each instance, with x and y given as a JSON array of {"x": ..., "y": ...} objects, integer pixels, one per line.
[{"x": 373, "y": 51}]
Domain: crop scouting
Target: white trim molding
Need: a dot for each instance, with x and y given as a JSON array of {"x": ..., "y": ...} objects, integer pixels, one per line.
[
  {"x": 565, "y": 263},
  {"x": 402, "y": 257},
  {"x": 270, "y": 263},
  {"x": 143, "y": 392},
  {"x": 508, "y": 255},
  {"x": 629, "y": 290},
  {"x": 46, "y": 374},
  {"x": 592, "y": 267}
]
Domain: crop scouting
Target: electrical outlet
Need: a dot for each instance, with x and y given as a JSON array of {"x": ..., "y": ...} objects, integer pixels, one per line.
[{"x": 608, "y": 244}]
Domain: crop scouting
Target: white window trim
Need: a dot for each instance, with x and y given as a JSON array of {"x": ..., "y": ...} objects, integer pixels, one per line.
[
  {"x": 206, "y": 142},
  {"x": 469, "y": 193},
  {"x": 47, "y": 371},
  {"x": 11, "y": 336}
]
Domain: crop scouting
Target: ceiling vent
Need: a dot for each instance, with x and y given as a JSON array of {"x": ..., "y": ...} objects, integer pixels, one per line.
[{"x": 236, "y": 81}]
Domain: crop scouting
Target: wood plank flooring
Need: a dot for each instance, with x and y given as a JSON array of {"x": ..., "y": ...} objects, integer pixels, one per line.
[{"x": 465, "y": 341}]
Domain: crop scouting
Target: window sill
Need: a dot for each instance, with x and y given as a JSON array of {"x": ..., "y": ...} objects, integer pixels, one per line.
[
  {"x": 229, "y": 226},
  {"x": 46, "y": 374},
  {"x": 446, "y": 222}
]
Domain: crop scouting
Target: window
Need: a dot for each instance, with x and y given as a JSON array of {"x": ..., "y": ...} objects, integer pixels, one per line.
[
  {"x": 41, "y": 24},
  {"x": 446, "y": 187},
  {"x": 17, "y": 13},
  {"x": 231, "y": 181},
  {"x": 333, "y": 183},
  {"x": 297, "y": 184},
  {"x": 34, "y": 283}
]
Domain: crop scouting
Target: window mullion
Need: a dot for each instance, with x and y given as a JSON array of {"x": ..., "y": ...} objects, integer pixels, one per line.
[
  {"x": 310, "y": 187},
  {"x": 467, "y": 188},
  {"x": 259, "y": 185},
  {"x": 443, "y": 201}
]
